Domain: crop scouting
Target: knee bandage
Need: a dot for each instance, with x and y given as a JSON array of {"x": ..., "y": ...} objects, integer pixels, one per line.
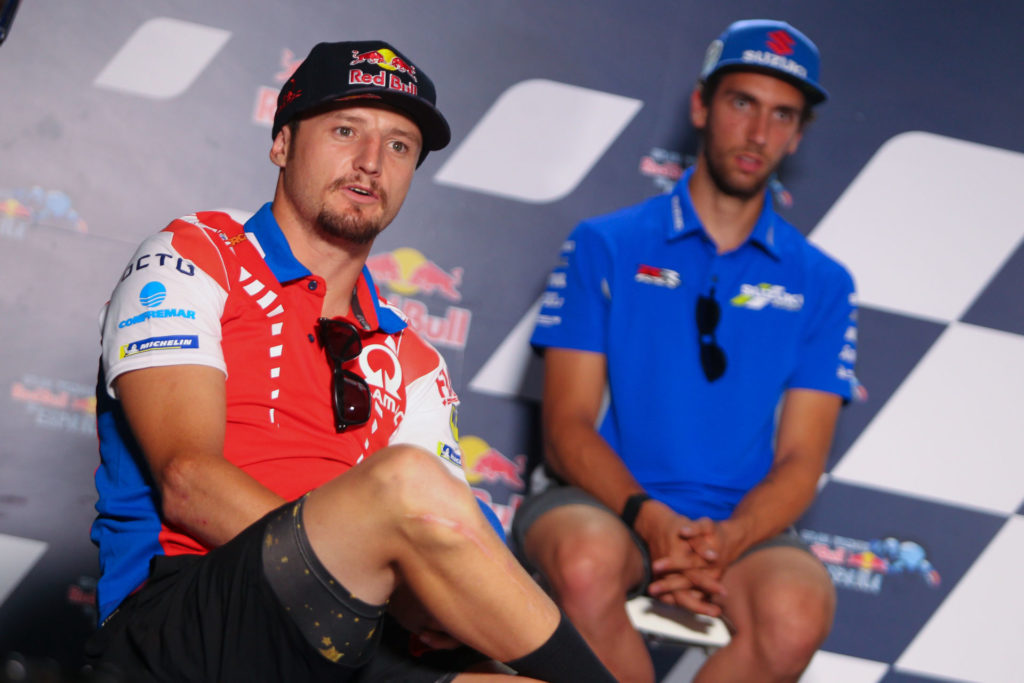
[{"x": 342, "y": 628}]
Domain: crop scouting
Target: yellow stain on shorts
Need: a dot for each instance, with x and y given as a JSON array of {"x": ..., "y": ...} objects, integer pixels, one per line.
[
  {"x": 355, "y": 619},
  {"x": 370, "y": 634},
  {"x": 284, "y": 559}
]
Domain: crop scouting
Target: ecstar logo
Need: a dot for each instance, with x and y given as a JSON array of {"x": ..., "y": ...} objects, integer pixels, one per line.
[{"x": 756, "y": 297}]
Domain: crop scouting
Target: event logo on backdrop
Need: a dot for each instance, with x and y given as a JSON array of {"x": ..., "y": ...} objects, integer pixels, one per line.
[
  {"x": 23, "y": 208},
  {"x": 863, "y": 565},
  {"x": 266, "y": 97},
  {"x": 406, "y": 276},
  {"x": 57, "y": 404}
]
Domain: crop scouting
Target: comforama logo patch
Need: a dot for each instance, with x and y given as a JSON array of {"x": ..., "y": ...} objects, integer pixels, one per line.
[
  {"x": 863, "y": 565},
  {"x": 152, "y": 295},
  {"x": 57, "y": 403},
  {"x": 406, "y": 272}
]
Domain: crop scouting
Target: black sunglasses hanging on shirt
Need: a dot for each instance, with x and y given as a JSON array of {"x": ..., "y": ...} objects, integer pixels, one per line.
[
  {"x": 351, "y": 395},
  {"x": 712, "y": 356}
]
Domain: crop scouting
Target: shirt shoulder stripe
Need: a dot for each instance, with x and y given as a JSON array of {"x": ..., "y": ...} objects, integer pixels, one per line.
[{"x": 192, "y": 240}]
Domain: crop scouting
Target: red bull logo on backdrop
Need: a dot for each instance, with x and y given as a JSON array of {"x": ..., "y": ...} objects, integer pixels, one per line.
[
  {"x": 266, "y": 97},
  {"x": 862, "y": 566},
  {"x": 405, "y": 273},
  {"x": 57, "y": 404},
  {"x": 494, "y": 476}
]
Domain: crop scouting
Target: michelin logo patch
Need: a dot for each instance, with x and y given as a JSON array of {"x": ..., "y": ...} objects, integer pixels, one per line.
[{"x": 159, "y": 344}]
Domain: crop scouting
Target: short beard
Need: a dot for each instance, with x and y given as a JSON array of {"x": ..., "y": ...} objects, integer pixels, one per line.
[
  {"x": 720, "y": 180},
  {"x": 354, "y": 229}
]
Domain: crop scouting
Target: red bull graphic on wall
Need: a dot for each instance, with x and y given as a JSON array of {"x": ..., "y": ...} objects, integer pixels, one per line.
[
  {"x": 404, "y": 275},
  {"x": 862, "y": 566},
  {"x": 56, "y": 403},
  {"x": 24, "y": 208},
  {"x": 266, "y": 96},
  {"x": 494, "y": 477}
]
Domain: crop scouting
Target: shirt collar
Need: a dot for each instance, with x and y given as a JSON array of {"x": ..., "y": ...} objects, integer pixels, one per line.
[
  {"x": 276, "y": 251},
  {"x": 684, "y": 221},
  {"x": 366, "y": 307}
]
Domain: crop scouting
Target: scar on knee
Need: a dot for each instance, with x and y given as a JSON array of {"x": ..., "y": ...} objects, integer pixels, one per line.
[{"x": 475, "y": 539}]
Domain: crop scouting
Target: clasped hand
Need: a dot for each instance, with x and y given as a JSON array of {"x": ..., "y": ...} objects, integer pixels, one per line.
[{"x": 688, "y": 557}]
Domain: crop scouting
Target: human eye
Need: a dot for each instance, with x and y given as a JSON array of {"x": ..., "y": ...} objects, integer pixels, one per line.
[
  {"x": 344, "y": 131},
  {"x": 399, "y": 146}
]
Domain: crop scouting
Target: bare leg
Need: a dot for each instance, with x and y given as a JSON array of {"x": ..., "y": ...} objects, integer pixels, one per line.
[
  {"x": 590, "y": 561},
  {"x": 781, "y": 603},
  {"x": 399, "y": 517}
]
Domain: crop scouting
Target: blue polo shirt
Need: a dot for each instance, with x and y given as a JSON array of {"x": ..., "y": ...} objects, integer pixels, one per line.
[{"x": 627, "y": 286}]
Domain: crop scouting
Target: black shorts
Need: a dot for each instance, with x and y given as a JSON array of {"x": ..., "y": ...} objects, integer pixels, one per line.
[
  {"x": 557, "y": 496},
  {"x": 215, "y": 618}
]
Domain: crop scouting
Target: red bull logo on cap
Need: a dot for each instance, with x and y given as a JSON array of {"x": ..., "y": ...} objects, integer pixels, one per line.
[{"x": 385, "y": 59}]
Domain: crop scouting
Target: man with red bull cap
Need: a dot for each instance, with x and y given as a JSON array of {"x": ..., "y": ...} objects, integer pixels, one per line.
[
  {"x": 673, "y": 332},
  {"x": 279, "y": 471}
]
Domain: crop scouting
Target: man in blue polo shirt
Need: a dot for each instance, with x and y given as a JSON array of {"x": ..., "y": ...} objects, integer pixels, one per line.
[{"x": 697, "y": 352}]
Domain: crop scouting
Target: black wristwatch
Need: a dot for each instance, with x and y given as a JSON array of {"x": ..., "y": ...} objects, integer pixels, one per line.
[{"x": 632, "y": 508}]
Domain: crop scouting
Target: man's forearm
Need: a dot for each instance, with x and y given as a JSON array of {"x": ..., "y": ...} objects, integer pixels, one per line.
[
  {"x": 771, "y": 506},
  {"x": 581, "y": 456},
  {"x": 212, "y": 499}
]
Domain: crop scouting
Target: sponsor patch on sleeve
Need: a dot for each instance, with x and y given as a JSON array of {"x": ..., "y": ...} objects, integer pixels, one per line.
[{"x": 134, "y": 348}]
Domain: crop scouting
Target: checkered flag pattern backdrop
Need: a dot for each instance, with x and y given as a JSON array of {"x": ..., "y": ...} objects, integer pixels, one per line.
[{"x": 120, "y": 118}]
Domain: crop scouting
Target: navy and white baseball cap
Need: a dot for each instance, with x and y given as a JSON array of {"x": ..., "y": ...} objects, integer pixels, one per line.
[{"x": 768, "y": 46}]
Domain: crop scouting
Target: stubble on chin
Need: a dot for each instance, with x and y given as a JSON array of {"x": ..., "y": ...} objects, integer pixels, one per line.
[
  {"x": 722, "y": 181},
  {"x": 348, "y": 227},
  {"x": 351, "y": 226}
]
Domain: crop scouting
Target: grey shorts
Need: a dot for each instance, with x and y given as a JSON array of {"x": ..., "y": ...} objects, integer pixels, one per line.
[{"x": 557, "y": 496}]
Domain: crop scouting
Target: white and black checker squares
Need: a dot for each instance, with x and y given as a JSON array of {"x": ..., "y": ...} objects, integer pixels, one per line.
[{"x": 933, "y": 457}]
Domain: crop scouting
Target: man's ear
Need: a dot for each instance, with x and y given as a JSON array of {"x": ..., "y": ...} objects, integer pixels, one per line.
[
  {"x": 279, "y": 150},
  {"x": 698, "y": 112}
]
